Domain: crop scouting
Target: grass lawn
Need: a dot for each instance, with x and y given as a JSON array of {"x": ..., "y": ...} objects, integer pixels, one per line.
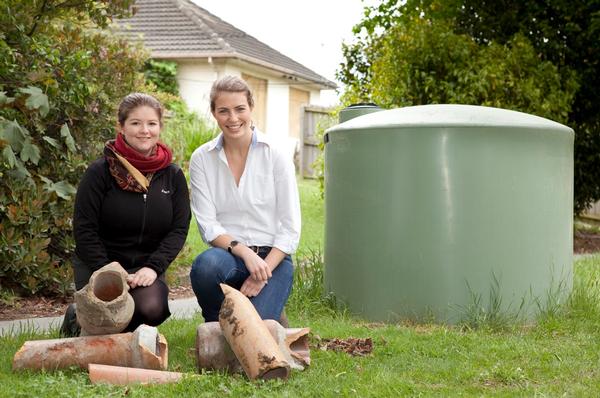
[{"x": 558, "y": 356}]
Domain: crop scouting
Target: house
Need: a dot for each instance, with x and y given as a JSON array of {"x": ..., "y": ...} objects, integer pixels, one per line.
[{"x": 205, "y": 48}]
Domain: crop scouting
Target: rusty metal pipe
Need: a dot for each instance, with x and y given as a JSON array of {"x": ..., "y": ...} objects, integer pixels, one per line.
[
  {"x": 143, "y": 348},
  {"x": 253, "y": 345},
  {"x": 214, "y": 352}
]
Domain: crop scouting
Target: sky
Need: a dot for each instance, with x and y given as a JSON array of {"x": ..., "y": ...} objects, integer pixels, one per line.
[{"x": 310, "y": 32}]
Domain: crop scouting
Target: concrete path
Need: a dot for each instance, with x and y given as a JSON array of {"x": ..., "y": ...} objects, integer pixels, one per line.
[{"x": 180, "y": 309}]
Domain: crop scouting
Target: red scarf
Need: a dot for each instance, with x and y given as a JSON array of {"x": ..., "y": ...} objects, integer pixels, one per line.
[
  {"x": 147, "y": 165},
  {"x": 160, "y": 159}
]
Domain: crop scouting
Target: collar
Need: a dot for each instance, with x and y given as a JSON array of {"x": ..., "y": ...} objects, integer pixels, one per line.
[{"x": 257, "y": 137}]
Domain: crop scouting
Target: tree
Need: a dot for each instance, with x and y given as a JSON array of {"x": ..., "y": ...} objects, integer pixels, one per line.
[
  {"x": 60, "y": 80},
  {"x": 562, "y": 33}
]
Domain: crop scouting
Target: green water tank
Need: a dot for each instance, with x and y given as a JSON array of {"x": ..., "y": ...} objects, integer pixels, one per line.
[
  {"x": 356, "y": 110},
  {"x": 439, "y": 211}
]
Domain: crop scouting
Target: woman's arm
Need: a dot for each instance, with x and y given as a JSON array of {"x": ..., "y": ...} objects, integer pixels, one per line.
[
  {"x": 288, "y": 213},
  {"x": 173, "y": 242},
  {"x": 287, "y": 204},
  {"x": 203, "y": 207},
  {"x": 86, "y": 217}
]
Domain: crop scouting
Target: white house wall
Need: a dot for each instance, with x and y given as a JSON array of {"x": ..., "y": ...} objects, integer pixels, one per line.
[{"x": 195, "y": 78}]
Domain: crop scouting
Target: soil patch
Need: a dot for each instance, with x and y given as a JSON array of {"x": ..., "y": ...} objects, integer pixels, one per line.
[
  {"x": 585, "y": 242},
  {"x": 39, "y": 307}
]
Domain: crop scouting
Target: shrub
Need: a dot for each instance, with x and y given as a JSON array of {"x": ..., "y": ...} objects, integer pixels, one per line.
[
  {"x": 185, "y": 130},
  {"x": 163, "y": 74},
  {"x": 60, "y": 82}
]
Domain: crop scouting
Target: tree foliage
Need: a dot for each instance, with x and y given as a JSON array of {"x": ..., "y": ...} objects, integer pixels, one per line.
[
  {"x": 60, "y": 80},
  {"x": 163, "y": 74},
  {"x": 543, "y": 54}
]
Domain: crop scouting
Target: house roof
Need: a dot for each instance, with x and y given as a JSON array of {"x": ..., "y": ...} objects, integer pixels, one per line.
[{"x": 179, "y": 29}]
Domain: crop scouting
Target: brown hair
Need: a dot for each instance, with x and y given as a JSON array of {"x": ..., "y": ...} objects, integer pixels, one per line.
[
  {"x": 231, "y": 84},
  {"x": 134, "y": 100}
]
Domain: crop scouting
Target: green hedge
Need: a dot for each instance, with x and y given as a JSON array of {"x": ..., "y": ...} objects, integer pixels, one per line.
[{"x": 60, "y": 82}]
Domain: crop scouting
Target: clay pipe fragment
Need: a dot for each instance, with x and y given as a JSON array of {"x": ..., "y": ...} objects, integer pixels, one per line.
[
  {"x": 253, "y": 345},
  {"x": 144, "y": 348},
  {"x": 104, "y": 305},
  {"x": 293, "y": 342},
  {"x": 120, "y": 375},
  {"x": 214, "y": 353}
]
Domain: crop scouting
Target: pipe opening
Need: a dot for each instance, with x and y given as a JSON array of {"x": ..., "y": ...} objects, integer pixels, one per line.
[
  {"x": 301, "y": 344},
  {"x": 277, "y": 373},
  {"x": 108, "y": 286}
]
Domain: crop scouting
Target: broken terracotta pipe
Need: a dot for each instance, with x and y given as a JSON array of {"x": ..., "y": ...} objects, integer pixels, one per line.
[
  {"x": 104, "y": 305},
  {"x": 122, "y": 376},
  {"x": 293, "y": 342},
  {"x": 143, "y": 348},
  {"x": 214, "y": 353},
  {"x": 250, "y": 340}
]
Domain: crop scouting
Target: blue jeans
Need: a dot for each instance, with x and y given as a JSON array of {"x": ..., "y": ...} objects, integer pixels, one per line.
[{"x": 215, "y": 266}]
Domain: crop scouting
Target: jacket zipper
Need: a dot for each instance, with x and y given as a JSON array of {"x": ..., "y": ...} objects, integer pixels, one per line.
[{"x": 143, "y": 220}]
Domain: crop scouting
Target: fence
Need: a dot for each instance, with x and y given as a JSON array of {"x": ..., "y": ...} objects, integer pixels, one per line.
[{"x": 315, "y": 120}]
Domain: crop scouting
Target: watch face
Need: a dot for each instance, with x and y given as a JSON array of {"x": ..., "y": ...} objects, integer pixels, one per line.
[{"x": 232, "y": 244}]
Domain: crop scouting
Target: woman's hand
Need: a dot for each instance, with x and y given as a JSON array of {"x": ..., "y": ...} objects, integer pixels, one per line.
[
  {"x": 143, "y": 277},
  {"x": 251, "y": 288},
  {"x": 258, "y": 268}
]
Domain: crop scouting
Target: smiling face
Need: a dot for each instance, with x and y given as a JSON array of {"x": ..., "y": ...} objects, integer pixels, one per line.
[
  {"x": 233, "y": 114},
  {"x": 141, "y": 129}
]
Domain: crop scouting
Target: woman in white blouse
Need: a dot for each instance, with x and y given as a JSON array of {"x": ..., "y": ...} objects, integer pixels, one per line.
[{"x": 245, "y": 200}]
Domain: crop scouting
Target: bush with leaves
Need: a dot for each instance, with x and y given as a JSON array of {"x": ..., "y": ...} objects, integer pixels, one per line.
[
  {"x": 420, "y": 63},
  {"x": 60, "y": 81},
  {"x": 556, "y": 39},
  {"x": 163, "y": 74}
]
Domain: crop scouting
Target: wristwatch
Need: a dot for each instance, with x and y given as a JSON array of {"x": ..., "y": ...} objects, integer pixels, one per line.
[{"x": 232, "y": 244}]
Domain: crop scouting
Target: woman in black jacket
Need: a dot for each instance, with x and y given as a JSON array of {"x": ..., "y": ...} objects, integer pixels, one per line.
[{"x": 132, "y": 206}]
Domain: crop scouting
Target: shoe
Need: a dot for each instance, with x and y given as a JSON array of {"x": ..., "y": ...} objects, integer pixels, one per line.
[{"x": 70, "y": 327}]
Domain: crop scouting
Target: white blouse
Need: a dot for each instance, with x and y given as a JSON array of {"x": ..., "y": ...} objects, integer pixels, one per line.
[{"x": 264, "y": 210}]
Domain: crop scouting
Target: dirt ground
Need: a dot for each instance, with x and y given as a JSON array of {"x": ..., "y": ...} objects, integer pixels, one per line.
[
  {"x": 33, "y": 307},
  {"x": 36, "y": 307}
]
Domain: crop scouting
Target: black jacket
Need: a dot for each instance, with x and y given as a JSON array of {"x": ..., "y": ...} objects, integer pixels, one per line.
[{"x": 135, "y": 229}]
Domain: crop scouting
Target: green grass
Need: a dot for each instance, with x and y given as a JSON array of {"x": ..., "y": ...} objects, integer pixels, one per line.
[{"x": 557, "y": 357}]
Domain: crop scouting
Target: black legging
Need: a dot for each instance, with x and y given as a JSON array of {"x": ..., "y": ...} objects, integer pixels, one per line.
[
  {"x": 151, "y": 305},
  {"x": 151, "y": 302}
]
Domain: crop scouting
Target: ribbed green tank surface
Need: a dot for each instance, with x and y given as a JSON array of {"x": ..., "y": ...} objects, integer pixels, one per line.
[{"x": 435, "y": 211}]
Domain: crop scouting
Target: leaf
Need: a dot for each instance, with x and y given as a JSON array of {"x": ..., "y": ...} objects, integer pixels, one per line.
[
  {"x": 30, "y": 152},
  {"x": 15, "y": 134},
  {"x": 69, "y": 141},
  {"x": 62, "y": 188},
  {"x": 46, "y": 181},
  {"x": 5, "y": 99},
  {"x": 9, "y": 156},
  {"x": 52, "y": 141},
  {"x": 37, "y": 100},
  {"x": 20, "y": 172}
]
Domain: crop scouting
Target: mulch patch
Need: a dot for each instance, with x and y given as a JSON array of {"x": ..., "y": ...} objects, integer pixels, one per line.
[
  {"x": 353, "y": 346},
  {"x": 33, "y": 307},
  {"x": 584, "y": 242},
  {"x": 39, "y": 307}
]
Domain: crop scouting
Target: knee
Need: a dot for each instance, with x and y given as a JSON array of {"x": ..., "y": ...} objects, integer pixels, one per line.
[
  {"x": 207, "y": 265},
  {"x": 156, "y": 315},
  {"x": 285, "y": 269}
]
